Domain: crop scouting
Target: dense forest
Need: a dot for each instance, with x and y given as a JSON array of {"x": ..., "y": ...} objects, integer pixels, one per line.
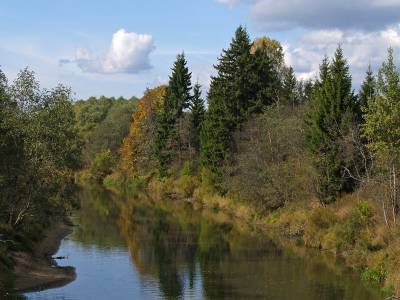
[{"x": 314, "y": 159}]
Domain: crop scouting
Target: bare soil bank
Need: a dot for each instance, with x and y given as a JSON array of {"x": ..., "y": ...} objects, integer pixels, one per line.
[{"x": 37, "y": 270}]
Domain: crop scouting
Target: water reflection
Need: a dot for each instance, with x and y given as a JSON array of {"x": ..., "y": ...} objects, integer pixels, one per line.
[{"x": 134, "y": 249}]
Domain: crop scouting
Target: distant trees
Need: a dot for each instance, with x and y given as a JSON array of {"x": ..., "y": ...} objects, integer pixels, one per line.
[
  {"x": 39, "y": 152},
  {"x": 103, "y": 123}
]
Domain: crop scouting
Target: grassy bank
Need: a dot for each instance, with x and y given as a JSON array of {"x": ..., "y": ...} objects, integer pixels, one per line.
[{"x": 351, "y": 229}]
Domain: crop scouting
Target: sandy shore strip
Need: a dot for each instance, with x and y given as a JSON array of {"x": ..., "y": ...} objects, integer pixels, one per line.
[{"x": 38, "y": 271}]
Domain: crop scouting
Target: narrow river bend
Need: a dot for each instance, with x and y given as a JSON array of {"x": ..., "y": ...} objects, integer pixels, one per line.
[{"x": 129, "y": 249}]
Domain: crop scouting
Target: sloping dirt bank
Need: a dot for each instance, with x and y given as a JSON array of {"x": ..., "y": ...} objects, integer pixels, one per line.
[{"x": 37, "y": 270}]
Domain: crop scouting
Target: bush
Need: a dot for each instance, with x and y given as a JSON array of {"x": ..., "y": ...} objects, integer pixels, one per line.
[
  {"x": 102, "y": 165},
  {"x": 187, "y": 184},
  {"x": 114, "y": 181},
  {"x": 318, "y": 229},
  {"x": 373, "y": 275},
  {"x": 359, "y": 219},
  {"x": 322, "y": 217},
  {"x": 187, "y": 169}
]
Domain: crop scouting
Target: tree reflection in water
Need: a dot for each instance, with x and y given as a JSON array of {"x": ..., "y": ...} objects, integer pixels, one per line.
[{"x": 193, "y": 254}]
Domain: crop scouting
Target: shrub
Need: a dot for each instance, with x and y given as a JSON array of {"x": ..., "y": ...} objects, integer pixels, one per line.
[
  {"x": 187, "y": 169},
  {"x": 114, "y": 181},
  {"x": 322, "y": 217},
  {"x": 374, "y": 275},
  {"x": 359, "y": 218},
  {"x": 102, "y": 165},
  {"x": 187, "y": 184}
]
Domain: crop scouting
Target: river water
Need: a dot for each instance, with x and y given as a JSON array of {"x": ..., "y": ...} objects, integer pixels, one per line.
[{"x": 130, "y": 249}]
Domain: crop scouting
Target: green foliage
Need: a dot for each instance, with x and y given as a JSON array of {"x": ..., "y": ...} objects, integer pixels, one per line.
[
  {"x": 289, "y": 88},
  {"x": 333, "y": 108},
  {"x": 388, "y": 290},
  {"x": 270, "y": 167},
  {"x": 197, "y": 109},
  {"x": 382, "y": 116},
  {"x": 103, "y": 123},
  {"x": 187, "y": 184},
  {"x": 375, "y": 276},
  {"x": 40, "y": 150},
  {"x": 244, "y": 84},
  {"x": 367, "y": 91},
  {"x": 102, "y": 165},
  {"x": 187, "y": 169},
  {"x": 358, "y": 220},
  {"x": 177, "y": 99}
]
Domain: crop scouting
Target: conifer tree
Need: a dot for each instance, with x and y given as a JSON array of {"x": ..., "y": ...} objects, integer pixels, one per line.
[
  {"x": 243, "y": 85},
  {"x": 382, "y": 116},
  {"x": 177, "y": 99},
  {"x": 333, "y": 106},
  {"x": 289, "y": 88},
  {"x": 198, "y": 110},
  {"x": 367, "y": 91}
]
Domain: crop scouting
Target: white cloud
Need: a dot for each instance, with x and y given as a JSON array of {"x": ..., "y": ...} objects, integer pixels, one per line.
[
  {"x": 317, "y": 14},
  {"x": 228, "y": 2},
  {"x": 360, "y": 48},
  {"x": 129, "y": 53}
]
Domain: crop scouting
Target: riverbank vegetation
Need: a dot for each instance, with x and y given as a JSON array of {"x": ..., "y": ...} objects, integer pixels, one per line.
[
  {"x": 39, "y": 153},
  {"x": 315, "y": 160}
]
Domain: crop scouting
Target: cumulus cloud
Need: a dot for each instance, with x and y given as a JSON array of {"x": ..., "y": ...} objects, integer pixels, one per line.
[
  {"x": 317, "y": 14},
  {"x": 360, "y": 48},
  {"x": 129, "y": 53}
]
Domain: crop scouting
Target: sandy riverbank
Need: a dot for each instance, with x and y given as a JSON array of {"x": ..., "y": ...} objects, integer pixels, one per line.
[{"x": 37, "y": 270}]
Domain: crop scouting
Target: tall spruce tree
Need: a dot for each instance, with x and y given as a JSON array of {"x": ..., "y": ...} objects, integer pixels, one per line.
[
  {"x": 289, "y": 88},
  {"x": 367, "y": 91},
  {"x": 227, "y": 102},
  {"x": 177, "y": 99},
  {"x": 242, "y": 86},
  {"x": 197, "y": 109},
  {"x": 333, "y": 106}
]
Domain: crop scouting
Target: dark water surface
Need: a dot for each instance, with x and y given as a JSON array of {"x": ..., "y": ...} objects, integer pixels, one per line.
[{"x": 129, "y": 249}]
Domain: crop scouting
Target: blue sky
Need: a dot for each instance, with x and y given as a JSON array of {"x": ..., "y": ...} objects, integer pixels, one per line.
[{"x": 121, "y": 47}]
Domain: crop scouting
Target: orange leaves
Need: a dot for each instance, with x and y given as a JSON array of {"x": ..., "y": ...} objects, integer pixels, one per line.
[{"x": 137, "y": 147}]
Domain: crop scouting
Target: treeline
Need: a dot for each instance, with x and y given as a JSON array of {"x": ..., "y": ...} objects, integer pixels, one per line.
[
  {"x": 102, "y": 124},
  {"x": 267, "y": 137},
  {"x": 174, "y": 133},
  {"x": 39, "y": 152}
]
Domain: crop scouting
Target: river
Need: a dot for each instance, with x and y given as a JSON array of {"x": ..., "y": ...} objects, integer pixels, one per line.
[{"x": 131, "y": 249}]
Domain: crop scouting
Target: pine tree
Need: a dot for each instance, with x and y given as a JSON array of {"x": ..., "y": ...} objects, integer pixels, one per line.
[
  {"x": 177, "y": 99},
  {"x": 382, "y": 115},
  {"x": 333, "y": 106},
  {"x": 367, "y": 91},
  {"x": 289, "y": 88},
  {"x": 198, "y": 110},
  {"x": 227, "y": 102},
  {"x": 381, "y": 129},
  {"x": 244, "y": 85}
]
